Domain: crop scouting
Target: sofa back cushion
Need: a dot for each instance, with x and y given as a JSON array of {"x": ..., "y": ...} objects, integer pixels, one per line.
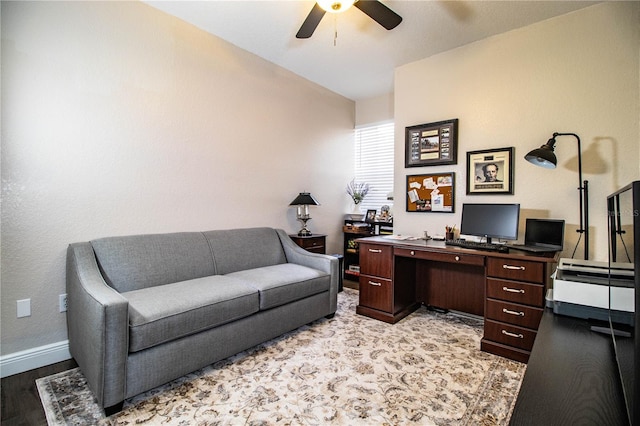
[
  {"x": 139, "y": 261},
  {"x": 239, "y": 249}
]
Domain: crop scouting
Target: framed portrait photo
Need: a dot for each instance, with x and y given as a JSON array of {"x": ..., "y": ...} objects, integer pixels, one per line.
[{"x": 490, "y": 171}]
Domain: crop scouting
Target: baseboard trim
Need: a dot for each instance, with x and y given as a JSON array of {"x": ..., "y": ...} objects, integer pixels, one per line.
[{"x": 19, "y": 362}]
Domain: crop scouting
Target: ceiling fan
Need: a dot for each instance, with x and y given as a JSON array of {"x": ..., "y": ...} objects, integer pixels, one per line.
[{"x": 373, "y": 8}]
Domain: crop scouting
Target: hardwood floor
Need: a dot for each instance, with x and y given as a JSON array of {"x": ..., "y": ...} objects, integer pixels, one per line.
[
  {"x": 351, "y": 284},
  {"x": 20, "y": 400}
]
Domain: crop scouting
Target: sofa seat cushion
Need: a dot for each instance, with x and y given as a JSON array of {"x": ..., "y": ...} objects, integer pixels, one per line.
[
  {"x": 285, "y": 283},
  {"x": 164, "y": 313}
]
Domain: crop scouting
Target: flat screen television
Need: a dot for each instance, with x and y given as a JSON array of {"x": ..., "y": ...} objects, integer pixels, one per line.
[
  {"x": 624, "y": 255},
  {"x": 490, "y": 221}
]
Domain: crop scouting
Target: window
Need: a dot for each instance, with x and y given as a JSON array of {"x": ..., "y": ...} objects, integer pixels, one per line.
[{"x": 374, "y": 163}]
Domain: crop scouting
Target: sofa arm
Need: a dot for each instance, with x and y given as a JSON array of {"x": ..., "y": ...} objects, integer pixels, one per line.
[
  {"x": 322, "y": 262},
  {"x": 97, "y": 323}
]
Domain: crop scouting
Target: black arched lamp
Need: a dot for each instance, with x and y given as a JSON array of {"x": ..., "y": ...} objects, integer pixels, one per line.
[
  {"x": 544, "y": 157},
  {"x": 302, "y": 203}
]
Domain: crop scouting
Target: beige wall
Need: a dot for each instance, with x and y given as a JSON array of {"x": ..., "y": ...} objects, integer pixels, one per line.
[
  {"x": 374, "y": 110},
  {"x": 574, "y": 73},
  {"x": 118, "y": 119}
]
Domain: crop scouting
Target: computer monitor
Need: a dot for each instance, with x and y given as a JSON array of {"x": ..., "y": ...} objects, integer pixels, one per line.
[{"x": 490, "y": 221}]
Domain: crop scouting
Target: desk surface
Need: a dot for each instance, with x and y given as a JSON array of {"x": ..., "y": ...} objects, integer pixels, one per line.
[
  {"x": 571, "y": 377},
  {"x": 432, "y": 245}
]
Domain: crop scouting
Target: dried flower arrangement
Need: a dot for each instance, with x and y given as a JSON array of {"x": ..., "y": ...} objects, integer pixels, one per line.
[{"x": 357, "y": 191}]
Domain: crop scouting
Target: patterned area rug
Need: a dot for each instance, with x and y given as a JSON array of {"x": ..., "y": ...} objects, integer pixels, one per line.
[{"x": 427, "y": 369}]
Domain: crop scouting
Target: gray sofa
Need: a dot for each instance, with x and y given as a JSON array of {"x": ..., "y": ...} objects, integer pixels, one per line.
[{"x": 146, "y": 309}]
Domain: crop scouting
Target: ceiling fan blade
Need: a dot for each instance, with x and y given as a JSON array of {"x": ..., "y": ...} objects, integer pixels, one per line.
[
  {"x": 379, "y": 13},
  {"x": 309, "y": 25}
]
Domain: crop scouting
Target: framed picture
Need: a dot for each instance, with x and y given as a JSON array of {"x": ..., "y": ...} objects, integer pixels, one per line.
[
  {"x": 371, "y": 216},
  {"x": 431, "y": 144},
  {"x": 490, "y": 171},
  {"x": 431, "y": 193}
]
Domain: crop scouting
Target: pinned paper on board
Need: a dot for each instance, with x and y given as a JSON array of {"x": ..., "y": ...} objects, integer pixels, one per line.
[
  {"x": 429, "y": 183},
  {"x": 437, "y": 202},
  {"x": 413, "y": 196},
  {"x": 431, "y": 193}
]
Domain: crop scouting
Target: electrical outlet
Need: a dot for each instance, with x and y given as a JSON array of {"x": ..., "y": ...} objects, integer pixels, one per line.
[
  {"x": 24, "y": 308},
  {"x": 62, "y": 302}
]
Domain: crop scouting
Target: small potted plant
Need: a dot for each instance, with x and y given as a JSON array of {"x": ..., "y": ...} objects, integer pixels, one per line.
[{"x": 357, "y": 192}]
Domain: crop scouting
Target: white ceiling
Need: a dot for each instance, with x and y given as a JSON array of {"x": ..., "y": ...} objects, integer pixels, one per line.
[{"x": 361, "y": 64}]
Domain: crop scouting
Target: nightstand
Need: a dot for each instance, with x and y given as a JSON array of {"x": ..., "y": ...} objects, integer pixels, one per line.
[{"x": 315, "y": 243}]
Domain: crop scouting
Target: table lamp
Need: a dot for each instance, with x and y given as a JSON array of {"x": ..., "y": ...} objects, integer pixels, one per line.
[{"x": 302, "y": 203}]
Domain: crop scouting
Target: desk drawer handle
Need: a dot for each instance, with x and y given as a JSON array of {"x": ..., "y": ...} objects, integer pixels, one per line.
[
  {"x": 518, "y": 268},
  {"x": 375, "y": 251},
  {"x": 516, "y": 313},
  {"x": 376, "y": 284},
  {"x": 518, "y": 336},
  {"x": 513, "y": 290}
]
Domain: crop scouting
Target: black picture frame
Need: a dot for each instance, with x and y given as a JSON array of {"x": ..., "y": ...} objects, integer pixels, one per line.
[
  {"x": 431, "y": 193},
  {"x": 490, "y": 171},
  {"x": 431, "y": 144},
  {"x": 370, "y": 216}
]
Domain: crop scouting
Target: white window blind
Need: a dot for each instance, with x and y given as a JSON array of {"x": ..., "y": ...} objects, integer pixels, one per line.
[{"x": 374, "y": 163}]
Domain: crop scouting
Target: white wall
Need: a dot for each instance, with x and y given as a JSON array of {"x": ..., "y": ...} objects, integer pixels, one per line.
[
  {"x": 574, "y": 73},
  {"x": 118, "y": 119}
]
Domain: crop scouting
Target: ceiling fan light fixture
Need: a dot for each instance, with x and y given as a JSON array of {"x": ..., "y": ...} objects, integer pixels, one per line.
[{"x": 335, "y": 6}]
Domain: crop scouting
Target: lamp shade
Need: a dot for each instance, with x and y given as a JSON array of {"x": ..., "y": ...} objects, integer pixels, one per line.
[
  {"x": 304, "y": 198},
  {"x": 543, "y": 156}
]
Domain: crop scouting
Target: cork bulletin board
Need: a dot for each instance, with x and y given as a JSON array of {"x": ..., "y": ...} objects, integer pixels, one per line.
[{"x": 431, "y": 193}]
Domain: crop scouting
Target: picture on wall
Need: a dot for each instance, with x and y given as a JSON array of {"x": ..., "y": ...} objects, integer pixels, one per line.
[
  {"x": 490, "y": 171},
  {"x": 432, "y": 144},
  {"x": 431, "y": 193}
]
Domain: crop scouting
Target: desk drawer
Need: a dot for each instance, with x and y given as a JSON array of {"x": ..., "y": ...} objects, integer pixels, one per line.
[
  {"x": 312, "y": 243},
  {"x": 462, "y": 258},
  {"x": 516, "y": 269},
  {"x": 508, "y": 334},
  {"x": 515, "y": 291},
  {"x": 376, "y": 260},
  {"x": 512, "y": 313},
  {"x": 376, "y": 293}
]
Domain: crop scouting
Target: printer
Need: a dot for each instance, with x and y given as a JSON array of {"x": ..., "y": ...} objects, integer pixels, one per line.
[{"x": 591, "y": 290}]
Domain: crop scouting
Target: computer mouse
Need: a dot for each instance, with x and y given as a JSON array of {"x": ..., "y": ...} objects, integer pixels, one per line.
[{"x": 503, "y": 249}]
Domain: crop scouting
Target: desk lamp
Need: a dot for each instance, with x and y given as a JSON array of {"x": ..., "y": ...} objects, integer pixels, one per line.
[
  {"x": 302, "y": 202},
  {"x": 544, "y": 157}
]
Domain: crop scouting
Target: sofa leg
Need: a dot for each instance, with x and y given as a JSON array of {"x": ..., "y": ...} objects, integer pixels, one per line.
[
  {"x": 114, "y": 409},
  {"x": 330, "y": 316}
]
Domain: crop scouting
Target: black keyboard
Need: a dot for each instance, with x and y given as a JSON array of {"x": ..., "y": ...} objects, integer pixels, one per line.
[{"x": 474, "y": 245}]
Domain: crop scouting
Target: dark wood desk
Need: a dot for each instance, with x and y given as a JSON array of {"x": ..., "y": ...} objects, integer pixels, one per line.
[
  {"x": 571, "y": 377},
  {"x": 508, "y": 289}
]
